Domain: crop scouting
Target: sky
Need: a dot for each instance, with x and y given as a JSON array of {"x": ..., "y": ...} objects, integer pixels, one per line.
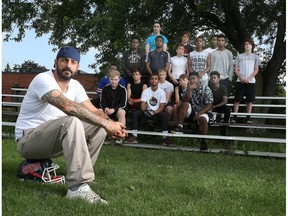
[{"x": 39, "y": 51}]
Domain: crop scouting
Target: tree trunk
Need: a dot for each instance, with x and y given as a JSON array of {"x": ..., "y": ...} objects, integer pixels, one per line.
[{"x": 271, "y": 72}]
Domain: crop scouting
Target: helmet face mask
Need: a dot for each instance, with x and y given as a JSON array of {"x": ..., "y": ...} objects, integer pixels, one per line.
[
  {"x": 40, "y": 170},
  {"x": 49, "y": 175}
]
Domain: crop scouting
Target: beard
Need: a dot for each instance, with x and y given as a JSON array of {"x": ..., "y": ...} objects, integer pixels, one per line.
[{"x": 62, "y": 75}]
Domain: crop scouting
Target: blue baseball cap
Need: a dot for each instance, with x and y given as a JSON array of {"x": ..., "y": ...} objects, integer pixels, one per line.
[{"x": 69, "y": 52}]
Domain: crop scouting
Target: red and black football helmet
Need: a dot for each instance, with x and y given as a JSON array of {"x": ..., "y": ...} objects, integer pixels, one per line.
[{"x": 40, "y": 170}]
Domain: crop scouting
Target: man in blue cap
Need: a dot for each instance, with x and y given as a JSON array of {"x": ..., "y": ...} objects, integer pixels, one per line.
[{"x": 57, "y": 118}]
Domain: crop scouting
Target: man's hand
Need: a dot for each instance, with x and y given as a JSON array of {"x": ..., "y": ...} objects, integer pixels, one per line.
[
  {"x": 116, "y": 129},
  {"x": 149, "y": 113},
  {"x": 192, "y": 87},
  {"x": 197, "y": 116}
]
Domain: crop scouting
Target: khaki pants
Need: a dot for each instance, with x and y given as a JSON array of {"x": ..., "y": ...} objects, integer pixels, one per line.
[{"x": 78, "y": 141}]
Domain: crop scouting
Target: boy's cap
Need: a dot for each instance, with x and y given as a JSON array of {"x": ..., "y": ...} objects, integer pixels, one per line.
[{"x": 69, "y": 52}]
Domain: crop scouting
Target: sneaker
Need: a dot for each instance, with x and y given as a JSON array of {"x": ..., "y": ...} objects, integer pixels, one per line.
[
  {"x": 131, "y": 139},
  {"x": 203, "y": 146},
  {"x": 119, "y": 141},
  {"x": 232, "y": 121},
  {"x": 178, "y": 130},
  {"x": 167, "y": 142},
  {"x": 86, "y": 193},
  {"x": 249, "y": 122}
]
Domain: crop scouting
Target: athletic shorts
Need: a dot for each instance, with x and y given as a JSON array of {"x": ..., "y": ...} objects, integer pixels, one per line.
[
  {"x": 247, "y": 89},
  {"x": 190, "y": 114},
  {"x": 170, "y": 103}
]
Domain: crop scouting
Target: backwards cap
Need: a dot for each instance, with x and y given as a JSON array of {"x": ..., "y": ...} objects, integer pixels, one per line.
[{"x": 69, "y": 52}]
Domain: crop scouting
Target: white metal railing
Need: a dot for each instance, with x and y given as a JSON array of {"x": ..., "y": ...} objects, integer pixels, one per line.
[
  {"x": 231, "y": 138},
  {"x": 264, "y": 97}
]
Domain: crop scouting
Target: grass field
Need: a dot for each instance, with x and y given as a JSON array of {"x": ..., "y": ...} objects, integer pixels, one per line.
[{"x": 154, "y": 182}]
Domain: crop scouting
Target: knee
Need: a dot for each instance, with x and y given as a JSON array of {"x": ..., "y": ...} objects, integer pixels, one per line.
[
  {"x": 184, "y": 105},
  {"x": 169, "y": 109},
  {"x": 72, "y": 121},
  {"x": 102, "y": 133},
  {"x": 121, "y": 113},
  {"x": 202, "y": 122}
]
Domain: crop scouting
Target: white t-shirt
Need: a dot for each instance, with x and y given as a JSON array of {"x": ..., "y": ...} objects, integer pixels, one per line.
[
  {"x": 247, "y": 62},
  {"x": 166, "y": 86},
  {"x": 178, "y": 66},
  {"x": 222, "y": 61},
  {"x": 153, "y": 99},
  {"x": 34, "y": 111},
  {"x": 210, "y": 50},
  {"x": 199, "y": 62}
]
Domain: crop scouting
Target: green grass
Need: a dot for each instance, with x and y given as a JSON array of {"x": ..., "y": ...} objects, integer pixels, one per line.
[{"x": 155, "y": 182}]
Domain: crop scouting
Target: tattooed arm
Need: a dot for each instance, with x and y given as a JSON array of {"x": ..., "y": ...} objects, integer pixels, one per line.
[
  {"x": 93, "y": 109},
  {"x": 83, "y": 111}
]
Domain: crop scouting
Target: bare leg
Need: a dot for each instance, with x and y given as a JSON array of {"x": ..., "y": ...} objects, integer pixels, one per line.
[
  {"x": 169, "y": 112},
  {"x": 121, "y": 116},
  {"x": 183, "y": 112}
]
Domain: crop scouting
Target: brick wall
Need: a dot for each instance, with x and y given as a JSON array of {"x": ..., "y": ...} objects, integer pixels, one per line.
[{"x": 22, "y": 80}]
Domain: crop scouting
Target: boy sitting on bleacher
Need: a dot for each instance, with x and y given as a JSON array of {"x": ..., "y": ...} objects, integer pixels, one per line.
[
  {"x": 134, "y": 90},
  {"x": 153, "y": 101},
  {"x": 196, "y": 106},
  {"x": 220, "y": 99}
]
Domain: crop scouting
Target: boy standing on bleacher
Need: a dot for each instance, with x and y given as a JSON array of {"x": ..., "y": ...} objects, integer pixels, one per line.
[{"x": 246, "y": 68}]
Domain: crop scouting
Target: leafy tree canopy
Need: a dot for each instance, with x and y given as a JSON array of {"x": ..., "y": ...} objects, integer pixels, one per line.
[
  {"x": 26, "y": 66},
  {"x": 107, "y": 25}
]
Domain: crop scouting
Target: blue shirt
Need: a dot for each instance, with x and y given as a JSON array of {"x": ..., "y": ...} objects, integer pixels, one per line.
[
  {"x": 151, "y": 41},
  {"x": 105, "y": 81}
]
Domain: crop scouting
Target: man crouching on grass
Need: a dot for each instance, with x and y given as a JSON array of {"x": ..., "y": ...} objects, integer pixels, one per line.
[{"x": 57, "y": 118}]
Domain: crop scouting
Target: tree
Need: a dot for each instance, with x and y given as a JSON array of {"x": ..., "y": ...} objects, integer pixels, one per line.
[
  {"x": 31, "y": 66},
  {"x": 7, "y": 68},
  {"x": 28, "y": 66},
  {"x": 107, "y": 25}
]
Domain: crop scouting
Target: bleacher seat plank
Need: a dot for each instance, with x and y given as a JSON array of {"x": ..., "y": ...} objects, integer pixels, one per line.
[
  {"x": 11, "y": 104},
  {"x": 260, "y": 126},
  {"x": 12, "y": 124},
  {"x": 262, "y": 97},
  {"x": 12, "y": 95},
  {"x": 262, "y": 105},
  {"x": 230, "y": 138},
  {"x": 260, "y": 115}
]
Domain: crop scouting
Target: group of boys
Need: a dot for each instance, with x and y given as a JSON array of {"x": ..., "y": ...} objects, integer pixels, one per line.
[{"x": 189, "y": 85}]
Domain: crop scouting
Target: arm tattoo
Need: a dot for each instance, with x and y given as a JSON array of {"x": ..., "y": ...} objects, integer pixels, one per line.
[{"x": 57, "y": 99}]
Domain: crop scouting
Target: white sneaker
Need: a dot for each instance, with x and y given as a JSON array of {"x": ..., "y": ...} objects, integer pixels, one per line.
[
  {"x": 86, "y": 193},
  {"x": 119, "y": 141}
]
